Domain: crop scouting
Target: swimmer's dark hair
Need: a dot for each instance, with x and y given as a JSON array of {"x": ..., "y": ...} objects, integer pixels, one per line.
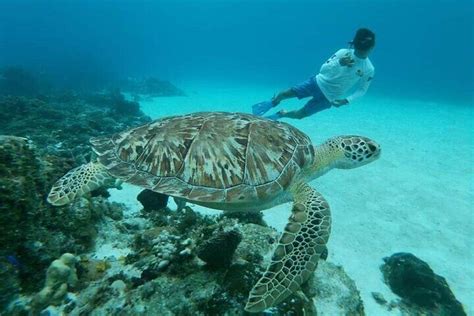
[{"x": 364, "y": 39}]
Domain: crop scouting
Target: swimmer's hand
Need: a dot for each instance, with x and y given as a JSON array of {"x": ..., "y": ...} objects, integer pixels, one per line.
[
  {"x": 347, "y": 60},
  {"x": 338, "y": 103}
]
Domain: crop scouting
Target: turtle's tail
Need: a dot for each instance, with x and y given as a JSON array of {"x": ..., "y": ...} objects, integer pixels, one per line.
[{"x": 78, "y": 182}]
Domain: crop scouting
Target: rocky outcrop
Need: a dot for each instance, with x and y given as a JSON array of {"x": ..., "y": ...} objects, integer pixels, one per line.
[
  {"x": 34, "y": 232},
  {"x": 152, "y": 200},
  {"x": 423, "y": 292},
  {"x": 163, "y": 275},
  {"x": 62, "y": 126}
]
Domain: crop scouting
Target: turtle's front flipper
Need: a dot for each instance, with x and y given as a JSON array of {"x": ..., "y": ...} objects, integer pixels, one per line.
[
  {"x": 298, "y": 250},
  {"x": 77, "y": 182}
]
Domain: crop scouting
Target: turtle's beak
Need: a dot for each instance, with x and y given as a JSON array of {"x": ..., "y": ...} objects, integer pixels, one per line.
[{"x": 374, "y": 148}]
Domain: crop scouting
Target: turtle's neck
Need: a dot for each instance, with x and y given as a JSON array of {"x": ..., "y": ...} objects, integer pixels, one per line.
[{"x": 325, "y": 157}]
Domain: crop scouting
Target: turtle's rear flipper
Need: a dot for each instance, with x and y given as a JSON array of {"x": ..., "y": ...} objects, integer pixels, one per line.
[
  {"x": 78, "y": 182},
  {"x": 298, "y": 250}
]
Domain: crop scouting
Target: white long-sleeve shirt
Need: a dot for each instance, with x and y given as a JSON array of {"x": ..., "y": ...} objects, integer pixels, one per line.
[{"x": 343, "y": 82}]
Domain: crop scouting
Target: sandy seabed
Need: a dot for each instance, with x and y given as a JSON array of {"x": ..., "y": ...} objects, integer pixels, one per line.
[{"x": 418, "y": 197}]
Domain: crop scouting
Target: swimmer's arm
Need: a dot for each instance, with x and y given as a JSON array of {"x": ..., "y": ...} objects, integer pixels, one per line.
[{"x": 364, "y": 84}]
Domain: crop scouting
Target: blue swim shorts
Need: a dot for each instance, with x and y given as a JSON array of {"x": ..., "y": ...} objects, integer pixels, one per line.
[{"x": 310, "y": 88}]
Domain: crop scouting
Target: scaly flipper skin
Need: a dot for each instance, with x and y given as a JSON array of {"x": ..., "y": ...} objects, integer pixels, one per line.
[
  {"x": 78, "y": 182},
  {"x": 298, "y": 251}
]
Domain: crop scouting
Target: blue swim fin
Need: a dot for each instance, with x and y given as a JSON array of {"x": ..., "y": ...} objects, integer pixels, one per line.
[{"x": 262, "y": 107}]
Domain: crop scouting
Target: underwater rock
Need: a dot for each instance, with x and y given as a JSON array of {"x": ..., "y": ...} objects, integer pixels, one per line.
[
  {"x": 256, "y": 241},
  {"x": 152, "y": 200},
  {"x": 240, "y": 277},
  {"x": 246, "y": 217},
  {"x": 334, "y": 292},
  {"x": 191, "y": 290},
  {"x": 83, "y": 215},
  {"x": 100, "y": 192},
  {"x": 60, "y": 276},
  {"x": 378, "y": 297},
  {"x": 218, "y": 251},
  {"x": 113, "y": 210},
  {"x": 134, "y": 223},
  {"x": 89, "y": 269},
  {"x": 415, "y": 282},
  {"x": 184, "y": 222},
  {"x": 155, "y": 279}
]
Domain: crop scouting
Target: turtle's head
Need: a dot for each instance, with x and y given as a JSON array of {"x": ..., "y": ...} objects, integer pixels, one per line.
[{"x": 355, "y": 151}]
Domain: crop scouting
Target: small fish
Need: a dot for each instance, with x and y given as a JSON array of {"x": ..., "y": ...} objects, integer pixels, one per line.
[{"x": 14, "y": 261}]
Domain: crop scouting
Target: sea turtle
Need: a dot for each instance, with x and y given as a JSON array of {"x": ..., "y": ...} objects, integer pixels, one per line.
[{"x": 231, "y": 161}]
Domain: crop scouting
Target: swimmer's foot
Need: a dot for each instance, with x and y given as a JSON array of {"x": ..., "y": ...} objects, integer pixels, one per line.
[
  {"x": 262, "y": 107},
  {"x": 278, "y": 115}
]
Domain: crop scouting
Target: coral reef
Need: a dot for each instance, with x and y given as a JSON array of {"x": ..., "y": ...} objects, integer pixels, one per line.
[
  {"x": 218, "y": 251},
  {"x": 147, "y": 263},
  {"x": 51, "y": 137},
  {"x": 20, "y": 181},
  {"x": 43, "y": 137},
  {"x": 33, "y": 232},
  {"x": 116, "y": 102},
  {"x": 60, "y": 276},
  {"x": 19, "y": 81},
  {"x": 423, "y": 292},
  {"x": 63, "y": 127},
  {"x": 24, "y": 214},
  {"x": 90, "y": 269},
  {"x": 246, "y": 217},
  {"x": 161, "y": 274}
]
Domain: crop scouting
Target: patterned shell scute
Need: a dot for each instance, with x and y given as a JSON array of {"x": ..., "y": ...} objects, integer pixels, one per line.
[{"x": 208, "y": 156}]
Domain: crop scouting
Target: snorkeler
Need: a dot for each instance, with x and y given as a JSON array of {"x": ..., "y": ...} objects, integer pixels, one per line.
[{"x": 345, "y": 76}]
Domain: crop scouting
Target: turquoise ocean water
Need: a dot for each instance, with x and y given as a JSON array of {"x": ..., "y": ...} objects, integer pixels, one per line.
[
  {"x": 424, "y": 48},
  {"x": 227, "y": 55}
]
